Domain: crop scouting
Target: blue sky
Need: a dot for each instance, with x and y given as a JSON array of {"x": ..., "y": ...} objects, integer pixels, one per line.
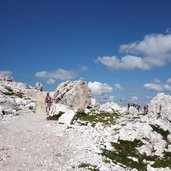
[{"x": 122, "y": 48}]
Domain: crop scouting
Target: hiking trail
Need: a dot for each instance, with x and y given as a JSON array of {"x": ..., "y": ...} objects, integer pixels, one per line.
[{"x": 31, "y": 142}]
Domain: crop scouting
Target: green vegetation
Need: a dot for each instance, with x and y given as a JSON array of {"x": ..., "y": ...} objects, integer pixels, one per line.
[
  {"x": 88, "y": 166},
  {"x": 105, "y": 118},
  {"x": 124, "y": 149},
  {"x": 165, "y": 162},
  {"x": 160, "y": 131}
]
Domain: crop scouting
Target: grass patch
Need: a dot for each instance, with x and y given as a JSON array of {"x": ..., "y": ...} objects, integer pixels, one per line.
[
  {"x": 165, "y": 162},
  {"x": 160, "y": 131},
  {"x": 106, "y": 118},
  {"x": 88, "y": 166},
  {"x": 123, "y": 149}
]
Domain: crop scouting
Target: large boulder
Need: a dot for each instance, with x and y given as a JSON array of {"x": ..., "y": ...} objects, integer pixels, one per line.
[
  {"x": 66, "y": 115},
  {"x": 160, "y": 106},
  {"x": 74, "y": 94},
  {"x": 133, "y": 110}
]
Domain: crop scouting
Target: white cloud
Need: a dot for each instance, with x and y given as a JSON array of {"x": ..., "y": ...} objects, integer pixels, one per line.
[
  {"x": 106, "y": 98},
  {"x": 167, "y": 87},
  {"x": 128, "y": 62},
  {"x": 84, "y": 68},
  {"x": 152, "y": 45},
  {"x": 153, "y": 86},
  {"x": 118, "y": 87},
  {"x": 134, "y": 99},
  {"x": 153, "y": 51},
  {"x": 59, "y": 74},
  {"x": 5, "y": 73},
  {"x": 98, "y": 88},
  {"x": 169, "y": 80},
  {"x": 156, "y": 81},
  {"x": 50, "y": 81},
  {"x": 156, "y": 85},
  {"x": 101, "y": 91}
]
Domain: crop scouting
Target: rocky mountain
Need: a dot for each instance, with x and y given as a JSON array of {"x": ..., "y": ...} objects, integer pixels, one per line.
[
  {"x": 15, "y": 98},
  {"x": 105, "y": 137}
]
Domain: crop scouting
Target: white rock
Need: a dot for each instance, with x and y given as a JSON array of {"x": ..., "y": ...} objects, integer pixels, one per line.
[
  {"x": 74, "y": 94},
  {"x": 67, "y": 114},
  {"x": 133, "y": 111},
  {"x": 169, "y": 138},
  {"x": 112, "y": 107},
  {"x": 160, "y": 106}
]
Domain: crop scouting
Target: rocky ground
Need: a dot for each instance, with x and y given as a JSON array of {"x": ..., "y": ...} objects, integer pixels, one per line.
[
  {"x": 31, "y": 142},
  {"x": 98, "y": 141}
]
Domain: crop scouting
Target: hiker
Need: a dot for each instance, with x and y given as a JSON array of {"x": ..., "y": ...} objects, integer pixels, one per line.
[
  {"x": 48, "y": 102},
  {"x": 128, "y": 107},
  {"x": 138, "y": 108}
]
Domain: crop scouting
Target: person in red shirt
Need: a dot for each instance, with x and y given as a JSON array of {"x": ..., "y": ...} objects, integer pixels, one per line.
[{"x": 48, "y": 102}]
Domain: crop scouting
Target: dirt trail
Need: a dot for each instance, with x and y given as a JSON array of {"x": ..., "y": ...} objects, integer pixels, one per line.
[{"x": 30, "y": 142}]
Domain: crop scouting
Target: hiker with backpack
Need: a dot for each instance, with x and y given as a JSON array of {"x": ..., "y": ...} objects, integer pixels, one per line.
[{"x": 48, "y": 102}]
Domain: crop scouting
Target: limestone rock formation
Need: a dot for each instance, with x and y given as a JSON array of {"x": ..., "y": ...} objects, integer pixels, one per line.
[
  {"x": 9, "y": 78},
  {"x": 74, "y": 94},
  {"x": 6, "y": 78},
  {"x": 14, "y": 97},
  {"x": 160, "y": 106},
  {"x": 39, "y": 86}
]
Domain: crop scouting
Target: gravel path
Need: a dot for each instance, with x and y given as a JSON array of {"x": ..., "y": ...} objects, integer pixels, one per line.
[{"x": 30, "y": 142}]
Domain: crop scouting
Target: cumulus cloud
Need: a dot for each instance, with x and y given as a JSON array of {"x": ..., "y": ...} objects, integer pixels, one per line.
[
  {"x": 101, "y": 91},
  {"x": 156, "y": 81},
  {"x": 167, "y": 87},
  {"x": 153, "y": 86},
  {"x": 153, "y": 51},
  {"x": 118, "y": 87},
  {"x": 128, "y": 62},
  {"x": 156, "y": 85},
  {"x": 50, "y": 81},
  {"x": 169, "y": 80},
  {"x": 5, "y": 73},
  {"x": 59, "y": 74},
  {"x": 134, "y": 99}
]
